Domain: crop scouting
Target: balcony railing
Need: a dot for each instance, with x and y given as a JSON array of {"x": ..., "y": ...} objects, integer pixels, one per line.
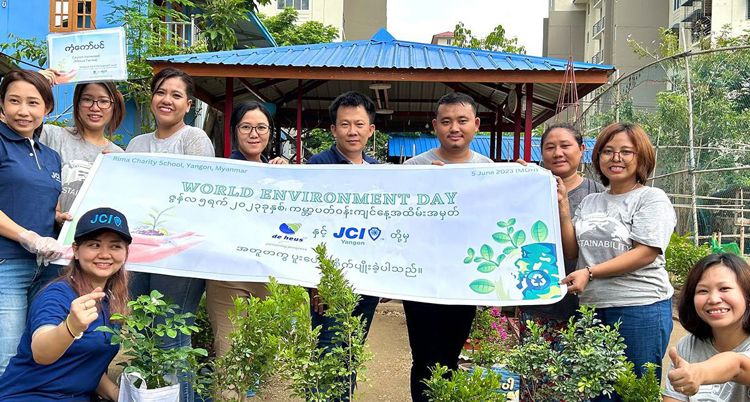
[
  {"x": 598, "y": 57},
  {"x": 598, "y": 27}
]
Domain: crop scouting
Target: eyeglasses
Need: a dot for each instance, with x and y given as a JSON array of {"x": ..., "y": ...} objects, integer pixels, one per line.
[
  {"x": 625, "y": 155},
  {"x": 261, "y": 129},
  {"x": 103, "y": 103}
]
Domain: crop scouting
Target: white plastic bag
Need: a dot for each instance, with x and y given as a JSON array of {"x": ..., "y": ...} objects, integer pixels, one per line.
[{"x": 130, "y": 393}]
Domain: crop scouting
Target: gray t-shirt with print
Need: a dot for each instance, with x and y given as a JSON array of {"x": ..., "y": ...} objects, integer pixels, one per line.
[
  {"x": 695, "y": 350},
  {"x": 426, "y": 158},
  {"x": 566, "y": 307},
  {"x": 188, "y": 140},
  {"x": 606, "y": 226},
  {"x": 77, "y": 155}
]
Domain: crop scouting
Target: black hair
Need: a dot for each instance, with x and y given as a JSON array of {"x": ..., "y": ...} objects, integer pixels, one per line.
[
  {"x": 566, "y": 126},
  {"x": 239, "y": 112},
  {"x": 689, "y": 317},
  {"x": 171, "y": 72},
  {"x": 352, "y": 99},
  {"x": 456, "y": 98}
]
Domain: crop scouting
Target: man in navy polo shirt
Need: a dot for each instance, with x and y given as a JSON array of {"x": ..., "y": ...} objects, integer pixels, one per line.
[{"x": 352, "y": 115}]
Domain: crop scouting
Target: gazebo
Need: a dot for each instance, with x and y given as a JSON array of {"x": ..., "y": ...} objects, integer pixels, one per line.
[{"x": 515, "y": 92}]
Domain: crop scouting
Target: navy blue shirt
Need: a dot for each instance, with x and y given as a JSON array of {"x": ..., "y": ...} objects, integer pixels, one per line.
[
  {"x": 333, "y": 156},
  {"x": 76, "y": 374},
  {"x": 240, "y": 156},
  {"x": 29, "y": 187}
]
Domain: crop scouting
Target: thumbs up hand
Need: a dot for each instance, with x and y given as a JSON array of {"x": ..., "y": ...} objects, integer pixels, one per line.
[{"x": 684, "y": 377}]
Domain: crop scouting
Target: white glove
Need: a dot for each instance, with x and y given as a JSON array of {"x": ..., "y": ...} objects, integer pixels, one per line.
[{"x": 46, "y": 248}]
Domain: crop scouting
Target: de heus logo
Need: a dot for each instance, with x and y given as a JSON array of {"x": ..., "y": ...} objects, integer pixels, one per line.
[
  {"x": 107, "y": 219},
  {"x": 288, "y": 229},
  {"x": 357, "y": 233}
]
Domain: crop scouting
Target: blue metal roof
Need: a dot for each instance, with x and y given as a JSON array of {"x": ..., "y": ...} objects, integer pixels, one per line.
[
  {"x": 381, "y": 51},
  {"x": 407, "y": 147}
]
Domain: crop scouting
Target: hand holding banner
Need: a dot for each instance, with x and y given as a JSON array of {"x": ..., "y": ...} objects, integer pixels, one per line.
[{"x": 484, "y": 234}]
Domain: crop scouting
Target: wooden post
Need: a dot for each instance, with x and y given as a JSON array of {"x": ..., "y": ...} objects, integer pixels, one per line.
[
  {"x": 299, "y": 122},
  {"x": 742, "y": 221},
  {"x": 228, "y": 105},
  {"x": 529, "y": 121},
  {"x": 517, "y": 129}
]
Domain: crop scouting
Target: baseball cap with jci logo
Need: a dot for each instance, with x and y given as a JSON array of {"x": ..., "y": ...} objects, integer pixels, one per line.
[{"x": 100, "y": 219}]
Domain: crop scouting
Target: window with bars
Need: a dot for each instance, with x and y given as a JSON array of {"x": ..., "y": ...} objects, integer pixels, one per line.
[
  {"x": 72, "y": 15},
  {"x": 295, "y": 4}
]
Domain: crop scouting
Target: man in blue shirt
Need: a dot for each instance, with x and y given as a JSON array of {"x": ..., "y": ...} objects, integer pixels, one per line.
[{"x": 352, "y": 115}]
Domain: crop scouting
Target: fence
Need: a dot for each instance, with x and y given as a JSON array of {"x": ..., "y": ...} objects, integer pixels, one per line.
[{"x": 696, "y": 108}]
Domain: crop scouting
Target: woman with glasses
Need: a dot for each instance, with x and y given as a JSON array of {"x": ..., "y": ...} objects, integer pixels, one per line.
[
  {"x": 98, "y": 109},
  {"x": 252, "y": 126},
  {"x": 620, "y": 237}
]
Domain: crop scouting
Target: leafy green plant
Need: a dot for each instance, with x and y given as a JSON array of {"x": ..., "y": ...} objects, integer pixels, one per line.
[
  {"x": 32, "y": 49},
  {"x": 639, "y": 389},
  {"x": 463, "y": 386},
  {"x": 150, "y": 318},
  {"x": 682, "y": 255},
  {"x": 317, "y": 374},
  {"x": 261, "y": 329},
  {"x": 204, "y": 339},
  {"x": 587, "y": 363}
]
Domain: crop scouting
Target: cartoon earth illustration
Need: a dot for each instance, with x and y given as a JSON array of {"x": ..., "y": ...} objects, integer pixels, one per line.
[{"x": 537, "y": 271}]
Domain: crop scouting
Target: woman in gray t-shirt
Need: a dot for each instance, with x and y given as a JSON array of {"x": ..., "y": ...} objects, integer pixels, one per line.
[
  {"x": 620, "y": 237},
  {"x": 562, "y": 151},
  {"x": 98, "y": 109},
  {"x": 713, "y": 308}
]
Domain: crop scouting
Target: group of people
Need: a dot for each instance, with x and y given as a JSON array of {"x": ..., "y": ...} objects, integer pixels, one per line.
[{"x": 615, "y": 232}]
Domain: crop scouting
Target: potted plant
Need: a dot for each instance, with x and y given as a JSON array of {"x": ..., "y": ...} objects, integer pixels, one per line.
[
  {"x": 262, "y": 327},
  {"x": 319, "y": 375},
  {"x": 149, "y": 369},
  {"x": 492, "y": 335},
  {"x": 639, "y": 389},
  {"x": 464, "y": 386},
  {"x": 587, "y": 363},
  {"x": 275, "y": 335}
]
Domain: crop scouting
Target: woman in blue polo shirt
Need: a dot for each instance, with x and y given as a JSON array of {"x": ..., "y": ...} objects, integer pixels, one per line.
[
  {"x": 29, "y": 189},
  {"x": 61, "y": 356}
]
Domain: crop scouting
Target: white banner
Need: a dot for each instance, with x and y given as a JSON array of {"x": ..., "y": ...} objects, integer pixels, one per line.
[{"x": 483, "y": 234}]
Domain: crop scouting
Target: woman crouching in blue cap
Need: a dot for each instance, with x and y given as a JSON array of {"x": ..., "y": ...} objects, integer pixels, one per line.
[{"x": 61, "y": 357}]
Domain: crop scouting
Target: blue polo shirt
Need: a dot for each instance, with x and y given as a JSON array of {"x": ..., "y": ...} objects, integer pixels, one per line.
[
  {"x": 75, "y": 375},
  {"x": 332, "y": 156},
  {"x": 29, "y": 187}
]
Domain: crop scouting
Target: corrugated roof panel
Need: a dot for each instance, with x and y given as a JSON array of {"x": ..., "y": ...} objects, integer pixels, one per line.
[
  {"x": 381, "y": 51},
  {"x": 407, "y": 147}
]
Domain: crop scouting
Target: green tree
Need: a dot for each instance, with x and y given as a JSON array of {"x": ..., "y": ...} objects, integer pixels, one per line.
[
  {"x": 495, "y": 40},
  {"x": 287, "y": 32},
  {"x": 217, "y": 18}
]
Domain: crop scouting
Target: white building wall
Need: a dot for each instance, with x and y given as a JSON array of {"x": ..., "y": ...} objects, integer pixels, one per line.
[
  {"x": 327, "y": 12},
  {"x": 731, "y": 14}
]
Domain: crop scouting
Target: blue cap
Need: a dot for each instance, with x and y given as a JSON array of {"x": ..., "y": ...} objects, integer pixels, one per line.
[{"x": 100, "y": 219}]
